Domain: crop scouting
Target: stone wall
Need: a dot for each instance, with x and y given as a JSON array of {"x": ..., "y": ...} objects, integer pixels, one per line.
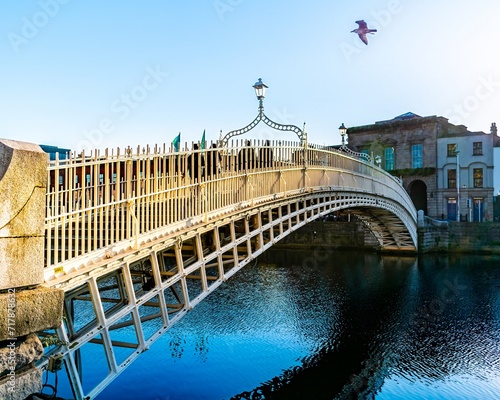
[
  {"x": 433, "y": 239},
  {"x": 341, "y": 235},
  {"x": 461, "y": 237},
  {"x": 453, "y": 237},
  {"x": 26, "y": 307}
]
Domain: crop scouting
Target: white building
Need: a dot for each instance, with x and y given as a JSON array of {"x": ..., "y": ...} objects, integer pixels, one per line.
[
  {"x": 496, "y": 160},
  {"x": 496, "y": 171},
  {"x": 468, "y": 194}
]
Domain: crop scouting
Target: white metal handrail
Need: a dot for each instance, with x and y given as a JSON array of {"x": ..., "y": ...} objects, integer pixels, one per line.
[{"x": 96, "y": 201}]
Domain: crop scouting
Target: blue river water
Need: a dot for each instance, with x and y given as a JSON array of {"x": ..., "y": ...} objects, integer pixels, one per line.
[{"x": 331, "y": 325}]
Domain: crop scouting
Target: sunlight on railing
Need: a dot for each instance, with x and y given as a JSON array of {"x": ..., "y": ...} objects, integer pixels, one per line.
[{"x": 95, "y": 201}]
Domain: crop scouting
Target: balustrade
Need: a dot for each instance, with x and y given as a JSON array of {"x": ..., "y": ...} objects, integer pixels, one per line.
[{"x": 99, "y": 200}]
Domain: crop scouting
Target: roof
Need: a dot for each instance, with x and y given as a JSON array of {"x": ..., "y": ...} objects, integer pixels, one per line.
[
  {"x": 409, "y": 118},
  {"x": 402, "y": 117},
  {"x": 52, "y": 150}
]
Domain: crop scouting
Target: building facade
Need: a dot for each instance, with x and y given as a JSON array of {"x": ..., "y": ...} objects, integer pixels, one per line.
[
  {"x": 496, "y": 172},
  {"x": 465, "y": 175},
  {"x": 425, "y": 153},
  {"x": 55, "y": 152}
]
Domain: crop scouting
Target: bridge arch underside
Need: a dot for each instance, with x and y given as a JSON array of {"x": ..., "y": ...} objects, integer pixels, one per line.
[{"x": 122, "y": 306}]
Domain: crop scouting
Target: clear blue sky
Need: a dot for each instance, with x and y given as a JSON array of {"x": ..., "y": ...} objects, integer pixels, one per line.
[{"x": 111, "y": 73}]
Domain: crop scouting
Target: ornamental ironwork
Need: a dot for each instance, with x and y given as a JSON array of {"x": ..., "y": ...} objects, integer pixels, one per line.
[{"x": 301, "y": 133}]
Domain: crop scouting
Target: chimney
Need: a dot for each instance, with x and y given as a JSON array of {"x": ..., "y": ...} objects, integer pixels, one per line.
[{"x": 493, "y": 128}]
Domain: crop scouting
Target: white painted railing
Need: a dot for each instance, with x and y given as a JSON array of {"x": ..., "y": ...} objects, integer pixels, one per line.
[{"x": 96, "y": 201}]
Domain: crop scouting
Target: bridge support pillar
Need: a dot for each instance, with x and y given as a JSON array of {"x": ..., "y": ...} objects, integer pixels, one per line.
[{"x": 26, "y": 307}]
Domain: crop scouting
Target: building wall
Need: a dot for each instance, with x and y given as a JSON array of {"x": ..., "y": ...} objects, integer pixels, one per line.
[
  {"x": 496, "y": 171},
  {"x": 475, "y": 203},
  {"x": 398, "y": 134},
  {"x": 402, "y": 134},
  {"x": 428, "y": 186}
]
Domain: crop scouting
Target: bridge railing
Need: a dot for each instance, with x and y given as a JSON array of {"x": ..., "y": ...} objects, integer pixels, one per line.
[{"x": 95, "y": 201}]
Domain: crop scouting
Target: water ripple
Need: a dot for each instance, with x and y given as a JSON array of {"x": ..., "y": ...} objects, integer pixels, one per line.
[{"x": 356, "y": 326}]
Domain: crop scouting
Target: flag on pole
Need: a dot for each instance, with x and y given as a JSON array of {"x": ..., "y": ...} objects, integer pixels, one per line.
[
  {"x": 203, "y": 143},
  {"x": 177, "y": 142}
]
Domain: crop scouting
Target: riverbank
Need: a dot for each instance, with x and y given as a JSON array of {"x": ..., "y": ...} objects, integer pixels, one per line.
[
  {"x": 453, "y": 237},
  {"x": 460, "y": 237}
]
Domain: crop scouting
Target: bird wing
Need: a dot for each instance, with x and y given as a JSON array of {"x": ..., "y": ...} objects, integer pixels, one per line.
[
  {"x": 363, "y": 38},
  {"x": 362, "y": 24}
]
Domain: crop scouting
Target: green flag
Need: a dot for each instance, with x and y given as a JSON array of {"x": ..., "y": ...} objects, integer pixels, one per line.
[
  {"x": 203, "y": 143},
  {"x": 177, "y": 142}
]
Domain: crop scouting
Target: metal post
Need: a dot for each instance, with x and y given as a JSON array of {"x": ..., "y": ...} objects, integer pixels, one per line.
[
  {"x": 261, "y": 116},
  {"x": 458, "y": 186}
]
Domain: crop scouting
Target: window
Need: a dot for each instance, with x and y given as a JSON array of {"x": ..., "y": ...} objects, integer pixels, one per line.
[
  {"x": 478, "y": 177},
  {"x": 452, "y": 179},
  {"x": 389, "y": 158},
  {"x": 452, "y": 149},
  {"x": 416, "y": 156},
  {"x": 477, "y": 148}
]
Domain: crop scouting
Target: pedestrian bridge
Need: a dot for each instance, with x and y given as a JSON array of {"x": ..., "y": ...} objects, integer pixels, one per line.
[{"x": 137, "y": 238}]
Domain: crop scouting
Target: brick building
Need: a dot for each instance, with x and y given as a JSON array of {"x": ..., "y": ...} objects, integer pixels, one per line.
[{"x": 423, "y": 151}]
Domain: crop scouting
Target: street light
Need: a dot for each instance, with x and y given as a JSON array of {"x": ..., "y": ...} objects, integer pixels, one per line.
[{"x": 343, "y": 132}]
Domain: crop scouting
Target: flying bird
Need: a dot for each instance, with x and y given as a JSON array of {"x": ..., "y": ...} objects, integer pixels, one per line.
[{"x": 363, "y": 30}]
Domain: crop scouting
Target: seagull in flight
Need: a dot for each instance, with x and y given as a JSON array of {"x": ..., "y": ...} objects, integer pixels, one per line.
[{"x": 363, "y": 30}]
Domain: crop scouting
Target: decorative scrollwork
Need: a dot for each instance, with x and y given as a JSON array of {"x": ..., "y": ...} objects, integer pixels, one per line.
[
  {"x": 364, "y": 156},
  {"x": 301, "y": 133},
  {"x": 223, "y": 141}
]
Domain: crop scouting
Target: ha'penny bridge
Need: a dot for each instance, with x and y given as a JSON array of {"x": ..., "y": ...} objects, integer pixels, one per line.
[{"x": 136, "y": 238}]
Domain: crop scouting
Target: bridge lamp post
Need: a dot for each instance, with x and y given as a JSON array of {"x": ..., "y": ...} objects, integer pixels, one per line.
[
  {"x": 344, "y": 148},
  {"x": 260, "y": 91},
  {"x": 343, "y": 133}
]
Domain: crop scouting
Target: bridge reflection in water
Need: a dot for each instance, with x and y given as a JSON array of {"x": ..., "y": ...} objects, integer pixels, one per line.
[
  {"x": 136, "y": 240},
  {"x": 322, "y": 324}
]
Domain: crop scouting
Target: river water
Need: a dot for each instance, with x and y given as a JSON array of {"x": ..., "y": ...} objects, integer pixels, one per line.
[{"x": 320, "y": 324}]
